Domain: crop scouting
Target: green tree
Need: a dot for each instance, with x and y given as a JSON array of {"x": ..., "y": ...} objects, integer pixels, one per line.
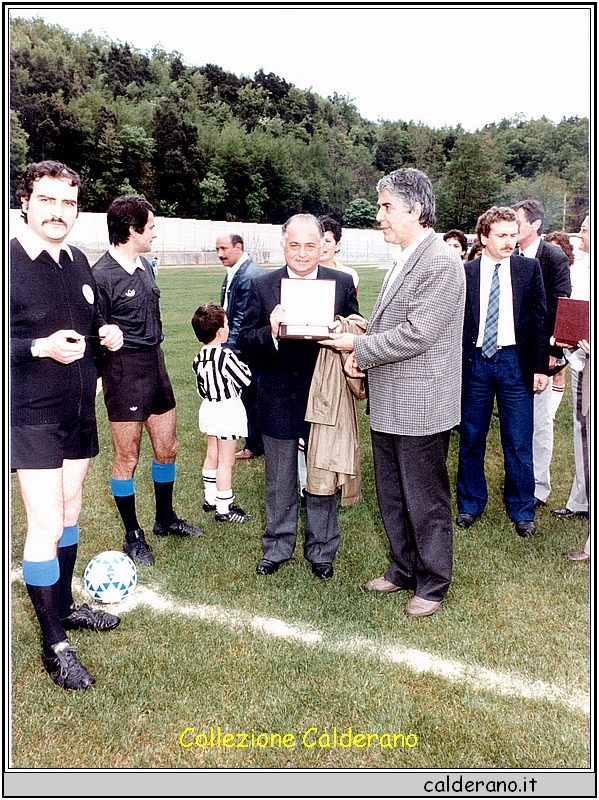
[{"x": 360, "y": 213}]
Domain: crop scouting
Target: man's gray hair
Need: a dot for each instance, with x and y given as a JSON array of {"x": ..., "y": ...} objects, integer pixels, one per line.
[
  {"x": 411, "y": 186},
  {"x": 304, "y": 218}
]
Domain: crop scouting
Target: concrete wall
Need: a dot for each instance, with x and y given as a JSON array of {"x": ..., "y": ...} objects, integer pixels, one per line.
[{"x": 192, "y": 241}]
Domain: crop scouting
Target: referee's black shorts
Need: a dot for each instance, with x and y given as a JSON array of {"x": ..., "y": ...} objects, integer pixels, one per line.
[
  {"x": 47, "y": 445},
  {"x": 136, "y": 385}
]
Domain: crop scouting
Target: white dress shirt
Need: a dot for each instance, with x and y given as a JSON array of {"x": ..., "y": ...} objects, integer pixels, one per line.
[{"x": 506, "y": 334}]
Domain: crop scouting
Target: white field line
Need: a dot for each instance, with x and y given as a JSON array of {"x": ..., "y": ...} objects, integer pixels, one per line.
[{"x": 419, "y": 661}]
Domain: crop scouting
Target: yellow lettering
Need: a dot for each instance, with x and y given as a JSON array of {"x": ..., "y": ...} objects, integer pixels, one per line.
[
  {"x": 305, "y": 736},
  {"x": 413, "y": 738},
  {"x": 242, "y": 739},
  {"x": 399, "y": 736},
  {"x": 387, "y": 742},
  {"x": 370, "y": 736},
  {"x": 273, "y": 739},
  {"x": 187, "y": 730},
  {"x": 324, "y": 740},
  {"x": 199, "y": 737},
  {"x": 346, "y": 737},
  {"x": 264, "y": 738},
  {"x": 359, "y": 740},
  {"x": 289, "y": 740},
  {"x": 228, "y": 740}
]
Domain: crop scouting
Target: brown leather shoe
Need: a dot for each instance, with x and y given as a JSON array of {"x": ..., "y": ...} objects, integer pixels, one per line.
[
  {"x": 578, "y": 555},
  {"x": 245, "y": 454},
  {"x": 381, "y": 585},
  {"x": 419, "y": 607}
]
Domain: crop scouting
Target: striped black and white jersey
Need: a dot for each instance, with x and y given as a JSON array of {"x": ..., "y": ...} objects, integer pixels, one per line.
[{"x": 220, "y": 374}]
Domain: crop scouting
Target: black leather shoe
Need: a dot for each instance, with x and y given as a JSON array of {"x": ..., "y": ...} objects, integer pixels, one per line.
[
  {"x": 539, "y": 503},
  {"x": 65, "y": 669},
  {"x": 91, "y": 619},
  {"x": 565, "y": 513},
  {"x": 525, "y": 527},
  {"x": 266, "y": 567},
  {"x": 208, "y": 506},
  {"x": 465, "y": 520},
  {"x": 178, "y": 527},
  {"x": 137, "y": 548},
  {"x": 323, "y": 571}
]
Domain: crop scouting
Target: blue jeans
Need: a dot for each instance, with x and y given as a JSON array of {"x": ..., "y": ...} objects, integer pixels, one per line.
[{"x": 499, "y": 376}]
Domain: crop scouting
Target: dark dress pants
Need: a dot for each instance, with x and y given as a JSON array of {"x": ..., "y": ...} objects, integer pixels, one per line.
[
  {"x": 253, "y": 441},
  {"x": 413, "y": 492},
  {"x": 321, "y": 532},
  {"x": 499, "y": 376}
]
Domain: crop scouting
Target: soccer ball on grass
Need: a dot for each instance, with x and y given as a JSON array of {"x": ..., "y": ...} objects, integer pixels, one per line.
[{"x": 110, "y": 577}]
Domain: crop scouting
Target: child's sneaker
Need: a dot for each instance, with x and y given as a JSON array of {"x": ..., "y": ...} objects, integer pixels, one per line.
[{"x": 234, "y": 514}]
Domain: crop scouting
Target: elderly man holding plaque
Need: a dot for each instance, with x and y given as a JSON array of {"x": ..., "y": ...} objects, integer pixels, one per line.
[{"x": 286, "y": 349}]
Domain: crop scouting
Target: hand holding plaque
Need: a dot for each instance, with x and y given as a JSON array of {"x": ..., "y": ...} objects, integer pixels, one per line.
[{"x": 309, "y": 309}]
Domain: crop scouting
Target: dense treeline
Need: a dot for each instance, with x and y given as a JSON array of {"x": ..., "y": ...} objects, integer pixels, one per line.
[{"x": 202, "y": 142}]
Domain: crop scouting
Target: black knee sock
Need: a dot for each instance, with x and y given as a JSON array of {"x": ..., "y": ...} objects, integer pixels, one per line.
[
  {"x": 66, "y": 561},
  {"x": 46, "y": 603},
  {"x": 126, "y": 507},
  {"x": 164, "y": 502}
]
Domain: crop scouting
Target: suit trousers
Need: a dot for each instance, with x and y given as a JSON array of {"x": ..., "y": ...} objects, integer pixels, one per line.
[
  {"x": 321, "y": 531},
  {"x": 542, "y": 442},
  {"x": 578, "y": 500},
  {"x": 253, "y": 441},
  {"x": 413, "y": 493},
  {"x": 497, "y": 377}
]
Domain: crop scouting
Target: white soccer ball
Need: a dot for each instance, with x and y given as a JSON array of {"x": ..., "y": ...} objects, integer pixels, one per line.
[{"x": 110, "y": 577}]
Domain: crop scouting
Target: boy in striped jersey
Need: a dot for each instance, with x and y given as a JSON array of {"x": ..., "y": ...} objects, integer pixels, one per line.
[{"x": 220, "y": 378}]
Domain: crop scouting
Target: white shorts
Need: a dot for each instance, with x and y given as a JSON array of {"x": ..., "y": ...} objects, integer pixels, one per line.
[{"x": 224, "y": 418}]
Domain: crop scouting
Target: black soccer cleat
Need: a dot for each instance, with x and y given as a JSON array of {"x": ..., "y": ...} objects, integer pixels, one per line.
[
  {"x": 65, "y": 669},
  {"x": 178, "y": 527},
  {"x": 137, "y": 548},
  {"x": 234, "y": 514},
  {"x": 91, "y": 619}
]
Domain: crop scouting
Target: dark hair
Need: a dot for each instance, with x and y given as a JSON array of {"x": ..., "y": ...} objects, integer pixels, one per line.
[
  {"x": 330, "y": 224},
  {"x": 207, "y": 320},
  {"x": 533, "y": 210},
  {"x": 495, "y": 214},
  {"x": 476, "y": 249},
  {"x": 561, "y": 239},
  {"x": 459, "y": 235},
  {"x": 236, "y": 239},
  {"x": 52, "y": 169},
  {"x": 125, "y": 212},
  {"x": 411, "y": 186}
]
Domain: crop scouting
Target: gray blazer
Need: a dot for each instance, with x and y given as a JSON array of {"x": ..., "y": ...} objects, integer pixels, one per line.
[{"x": 412, "y": 347}]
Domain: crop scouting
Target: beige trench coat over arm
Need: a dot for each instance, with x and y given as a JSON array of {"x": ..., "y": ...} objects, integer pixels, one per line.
[{"x": 333, "y": 458}]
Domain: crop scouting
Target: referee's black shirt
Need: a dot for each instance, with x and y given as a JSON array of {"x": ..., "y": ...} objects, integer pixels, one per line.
[{"x": 130, "y": 301}]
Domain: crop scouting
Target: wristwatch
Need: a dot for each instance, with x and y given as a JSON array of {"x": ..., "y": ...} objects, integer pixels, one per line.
[{"x": 35, "y": 351}]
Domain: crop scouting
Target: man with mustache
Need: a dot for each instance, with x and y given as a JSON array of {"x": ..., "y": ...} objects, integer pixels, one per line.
[
  {"x": 54, "y": 320},
  {"x": 505, "y": 356}
]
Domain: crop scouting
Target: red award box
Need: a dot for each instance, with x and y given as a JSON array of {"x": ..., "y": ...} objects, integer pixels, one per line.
[{"x": 572, "y": 321}]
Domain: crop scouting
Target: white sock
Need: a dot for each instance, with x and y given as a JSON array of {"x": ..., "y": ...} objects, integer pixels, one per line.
[
  {"x": 224, "y": 501},
  {"x": 557, "y": 393},
  {"x": 209, "y": 478}
]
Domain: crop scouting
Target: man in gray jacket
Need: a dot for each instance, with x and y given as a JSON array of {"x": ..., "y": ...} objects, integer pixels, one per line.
[{"x": 411, "y": 352}]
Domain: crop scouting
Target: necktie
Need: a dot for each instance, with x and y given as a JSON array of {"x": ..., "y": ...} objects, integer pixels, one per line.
[{"x": 489, "y": 347}]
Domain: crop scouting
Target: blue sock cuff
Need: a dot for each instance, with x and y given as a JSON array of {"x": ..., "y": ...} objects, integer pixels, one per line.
[
  {"x": 41, "y": 573},
  {"x": 69, "y": 536},
  {"x": 122, "y": 488},
  {"x": 163, "y": 473}
]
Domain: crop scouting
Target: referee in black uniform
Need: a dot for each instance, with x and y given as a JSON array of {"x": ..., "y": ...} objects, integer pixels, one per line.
[{"x": 137, "y": 389}]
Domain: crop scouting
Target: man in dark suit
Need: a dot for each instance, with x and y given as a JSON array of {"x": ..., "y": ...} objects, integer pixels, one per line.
[
  {"x": 285, "y": 368},
  {"x": 233, "y": 298},
  {"x": 505, "y": 355},
  {"x": 556, "y": 279},
  {"x": 411, "y": 353}
]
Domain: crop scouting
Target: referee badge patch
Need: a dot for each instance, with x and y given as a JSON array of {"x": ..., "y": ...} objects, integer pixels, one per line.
[{"x": 88, "y": 293}]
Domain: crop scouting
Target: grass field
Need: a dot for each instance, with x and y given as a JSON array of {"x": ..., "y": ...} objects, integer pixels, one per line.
[{"x": 498, "y": 678}]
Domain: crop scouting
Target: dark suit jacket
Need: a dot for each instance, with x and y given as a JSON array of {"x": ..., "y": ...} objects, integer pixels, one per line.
[
  {"x": 530, "y": 317},
  {"x": 285, "y": 373},
  {"x": 237, "y": 295},
  {"x": 556, "y": 279}
]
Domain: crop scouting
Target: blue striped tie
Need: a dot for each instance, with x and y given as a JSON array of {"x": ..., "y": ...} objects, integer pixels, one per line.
[{"x": 489, "y": 347}]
